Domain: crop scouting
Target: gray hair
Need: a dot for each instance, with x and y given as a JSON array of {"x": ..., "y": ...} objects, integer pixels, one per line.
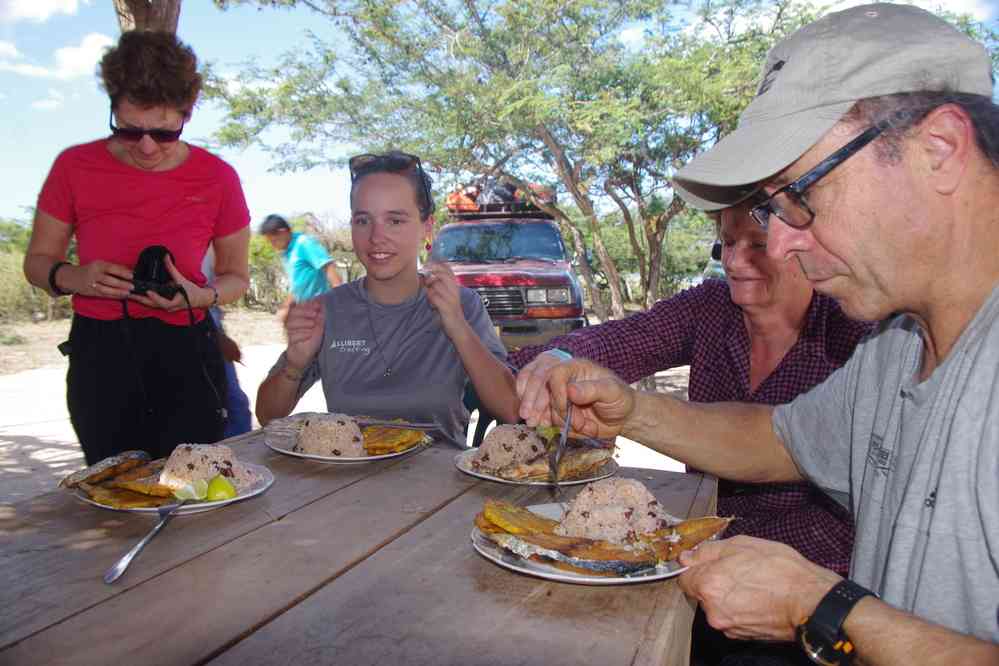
[{"x": 901, "y": 112}]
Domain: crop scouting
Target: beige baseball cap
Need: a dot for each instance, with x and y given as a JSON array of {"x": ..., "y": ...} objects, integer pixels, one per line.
[{"x": 812, "y": 78}]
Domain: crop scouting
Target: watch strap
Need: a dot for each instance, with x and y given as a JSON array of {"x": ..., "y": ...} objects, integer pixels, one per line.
[
  {"x": 821, "y": 635},
  {"x": 560, "y": 353}
]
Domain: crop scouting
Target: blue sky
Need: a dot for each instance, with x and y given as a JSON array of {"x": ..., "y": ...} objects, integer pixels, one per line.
[{"x": 49, "y": 98}]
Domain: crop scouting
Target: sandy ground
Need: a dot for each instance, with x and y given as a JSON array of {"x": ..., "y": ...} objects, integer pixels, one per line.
[{"x": 37, "y": 443}]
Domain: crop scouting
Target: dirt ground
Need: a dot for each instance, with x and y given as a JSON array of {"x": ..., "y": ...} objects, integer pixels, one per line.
[{"x": 38, "y": 349}]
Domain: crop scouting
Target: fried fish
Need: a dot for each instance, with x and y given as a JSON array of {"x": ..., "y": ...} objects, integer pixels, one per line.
[{"x": 106, "y": 469}]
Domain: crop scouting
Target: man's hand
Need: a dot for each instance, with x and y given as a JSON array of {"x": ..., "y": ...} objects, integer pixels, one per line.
[
  {"x": 532, "y": 386},
  {"x": 304, "y": 327},
  {"x": 601, "y": 402},
  {"x": 752, "y": 588}
]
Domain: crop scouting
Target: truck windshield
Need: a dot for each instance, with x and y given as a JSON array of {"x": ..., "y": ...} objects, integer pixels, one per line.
[{"x": 484, "y": 242}]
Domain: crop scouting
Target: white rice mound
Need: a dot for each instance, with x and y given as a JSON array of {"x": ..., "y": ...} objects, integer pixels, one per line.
[
  {"x": 330, "y": 435},
  {"x": 506, "y": 445},
  {"x": 615, "y": 510},
  {"x": 191, "y": 462}
]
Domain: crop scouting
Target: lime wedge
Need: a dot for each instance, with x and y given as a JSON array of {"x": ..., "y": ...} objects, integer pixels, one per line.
[
  {"x": 219, "y": 488},
  {"x": 192, "y": 491}
]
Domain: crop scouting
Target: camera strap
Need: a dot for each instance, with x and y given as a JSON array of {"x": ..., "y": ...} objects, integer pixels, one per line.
[{"x": 198, "y": 348}]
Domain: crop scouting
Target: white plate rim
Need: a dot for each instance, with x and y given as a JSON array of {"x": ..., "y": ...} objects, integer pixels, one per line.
[
  {"x": 341, "y": 460},
  {"x": 462, "y": 462},
  {"x": 266, "y": 481},
  {"x": 336, "y": 460},
  {"x": 496, "y": 554}
]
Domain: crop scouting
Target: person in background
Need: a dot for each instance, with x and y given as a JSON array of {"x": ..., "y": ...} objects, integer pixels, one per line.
[
  {"x": 311, "y": 270},
  {"x": 400, "y": 342},
  {"x": 145, "y": 371},
  {"x": 882, "y": 181},
  {"x": 238, "y": 419},
  {"x": 763, "y": 335}
]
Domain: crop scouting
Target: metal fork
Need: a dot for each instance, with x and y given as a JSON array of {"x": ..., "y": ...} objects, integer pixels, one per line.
[
  {"x": 166, "y": 512},
  {"x": 555, "y": 456}
]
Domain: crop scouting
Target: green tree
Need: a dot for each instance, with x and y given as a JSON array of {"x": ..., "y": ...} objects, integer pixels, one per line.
[{"x": 527, "y": 90}]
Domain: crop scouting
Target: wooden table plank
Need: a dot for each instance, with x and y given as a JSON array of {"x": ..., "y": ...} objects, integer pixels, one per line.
[
  {"x": 60, "y": 547},
  {"x": 429, "y": 598},
  {"x": 191, "y": 611}
]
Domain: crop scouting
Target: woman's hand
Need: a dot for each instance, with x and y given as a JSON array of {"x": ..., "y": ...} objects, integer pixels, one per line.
[
  {"x": 98, "y": 279},
  {"x": 444, "y": 295},
  {"x": 200, "y": 297},
  {"x": 304, "y": 326}
]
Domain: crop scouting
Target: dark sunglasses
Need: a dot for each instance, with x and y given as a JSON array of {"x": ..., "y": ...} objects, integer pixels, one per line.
[
  {"x": 788, "y": 203},
  {"x": 393, "y": 162},
  {"x": 135, "y": 135}
]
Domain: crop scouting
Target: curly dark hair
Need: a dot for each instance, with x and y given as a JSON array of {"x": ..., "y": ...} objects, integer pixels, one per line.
[{"x": 152, "y": 69}]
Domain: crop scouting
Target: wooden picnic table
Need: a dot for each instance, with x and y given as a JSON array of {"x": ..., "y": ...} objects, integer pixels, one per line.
[{"x": 347, "y": 564}]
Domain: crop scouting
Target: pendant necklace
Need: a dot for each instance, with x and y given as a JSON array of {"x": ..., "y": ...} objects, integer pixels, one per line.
[{"x": 374, "y": 336}]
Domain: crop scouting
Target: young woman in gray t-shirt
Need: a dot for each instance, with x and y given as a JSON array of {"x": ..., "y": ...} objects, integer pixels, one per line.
[{"x": 398, "y": 342}]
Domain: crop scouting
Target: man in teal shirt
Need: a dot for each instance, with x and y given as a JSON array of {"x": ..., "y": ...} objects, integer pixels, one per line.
[{"x": 311, "y": 271}]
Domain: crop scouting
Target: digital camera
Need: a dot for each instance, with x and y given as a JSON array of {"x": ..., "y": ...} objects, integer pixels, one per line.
[{"x": 151, "y": 274}]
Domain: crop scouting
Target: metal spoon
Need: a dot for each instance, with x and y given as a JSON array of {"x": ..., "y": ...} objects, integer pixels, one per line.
[{"x": 166, "y": 512}]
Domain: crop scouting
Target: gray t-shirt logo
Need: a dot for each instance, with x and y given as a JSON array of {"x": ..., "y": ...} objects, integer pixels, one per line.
[
  {"x": 879, "y": 456},
  {"x": 349, "y": 346}
]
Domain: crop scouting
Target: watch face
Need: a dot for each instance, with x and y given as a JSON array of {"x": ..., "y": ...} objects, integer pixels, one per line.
[{"x": 819, "y": 651}]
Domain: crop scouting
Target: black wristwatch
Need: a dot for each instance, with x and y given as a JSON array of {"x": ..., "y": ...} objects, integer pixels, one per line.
[{"x": 821, "y": 635}]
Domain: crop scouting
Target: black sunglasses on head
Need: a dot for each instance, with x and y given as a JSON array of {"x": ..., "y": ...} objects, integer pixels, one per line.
[
  {"x": 392, "y": 162},
  {"x": 135, "y": 135}
]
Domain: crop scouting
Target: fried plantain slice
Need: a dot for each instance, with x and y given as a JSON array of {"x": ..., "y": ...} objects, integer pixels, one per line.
[
  {"x": 485, "y": 525},
  {"x": 150, "y": 485},
  {"x": 118, "y": 498},
  {"x": 381, "y": 440},
  {"x": 105, "y": 469},
  {"x": 516, "y": 520}
]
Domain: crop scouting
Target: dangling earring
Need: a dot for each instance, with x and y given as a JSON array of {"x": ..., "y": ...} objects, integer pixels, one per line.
[{"x": 428, "y": 246}]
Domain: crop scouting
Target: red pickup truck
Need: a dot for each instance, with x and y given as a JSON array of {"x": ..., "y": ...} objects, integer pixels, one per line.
[{"x": 512, "y": 254}]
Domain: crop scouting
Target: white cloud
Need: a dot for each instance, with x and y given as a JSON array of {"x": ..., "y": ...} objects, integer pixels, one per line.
[
  {"x": 70, "y": 61},
  {"x": 8, "y": 51},
  {"x": 37, "y": 10},
  {"x": 53, "y": 101},
  {"x": 73, "y": 61}
]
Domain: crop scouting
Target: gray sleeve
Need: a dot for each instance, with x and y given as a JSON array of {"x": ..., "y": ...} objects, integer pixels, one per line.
[
  {"x": 309, "y": 377},
  {"x": 481, "y": 323},
  {"x": 816, "y": 430}
]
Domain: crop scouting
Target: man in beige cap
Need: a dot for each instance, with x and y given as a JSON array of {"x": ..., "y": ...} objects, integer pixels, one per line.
[{"x": 876, "y": 142}]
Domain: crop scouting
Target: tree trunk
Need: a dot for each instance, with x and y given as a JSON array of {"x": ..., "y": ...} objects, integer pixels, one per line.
[
  {"x": 589, "y": 282},
  {"x": 613, "y": 278},
  {"x": 157, "y": 15}
]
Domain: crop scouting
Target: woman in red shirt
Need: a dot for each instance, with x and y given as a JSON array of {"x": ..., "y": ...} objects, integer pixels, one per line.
[{"x": 144, "y": 369}]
